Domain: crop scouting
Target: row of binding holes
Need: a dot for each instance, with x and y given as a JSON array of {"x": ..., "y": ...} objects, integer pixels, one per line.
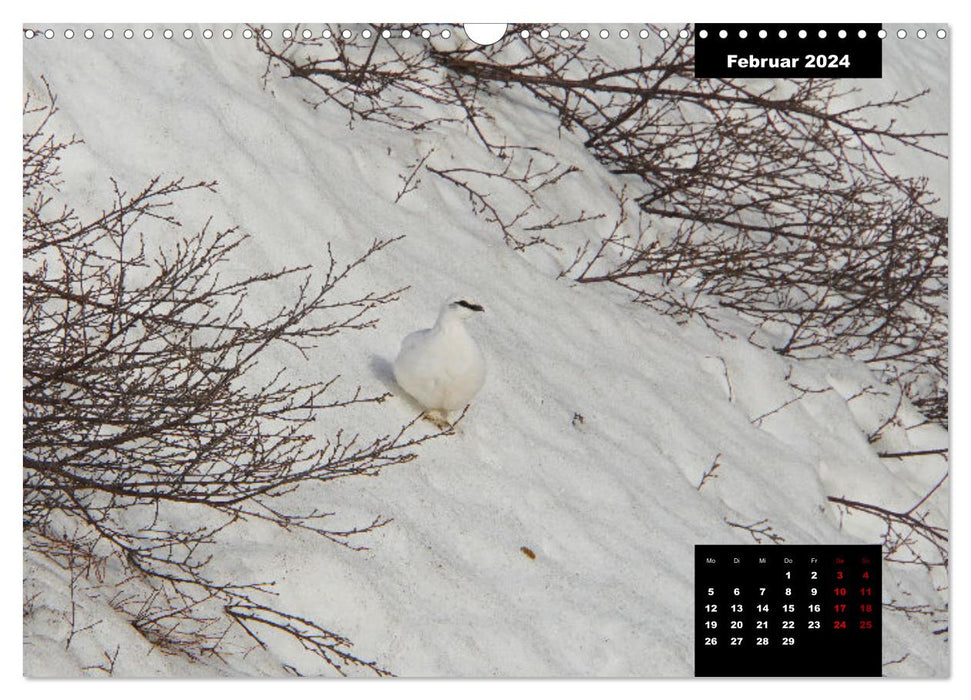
[
  {"x": 604, "y": 34},
  {"x": 445, "y": 33},
  {"x": 882, "y": 33},
  {"x": 228, "y": 34},
  {"x": 346, "y": 33}
]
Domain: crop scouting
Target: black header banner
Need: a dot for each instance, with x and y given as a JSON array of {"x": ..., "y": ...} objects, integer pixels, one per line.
[{"x": 788, "y": 51}]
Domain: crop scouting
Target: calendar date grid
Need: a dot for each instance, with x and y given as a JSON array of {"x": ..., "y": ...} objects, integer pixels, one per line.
[{"x": 765, "y": 612}]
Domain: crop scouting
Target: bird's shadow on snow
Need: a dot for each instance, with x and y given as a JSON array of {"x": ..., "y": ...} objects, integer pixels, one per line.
[{"x": 383, "y": 369}]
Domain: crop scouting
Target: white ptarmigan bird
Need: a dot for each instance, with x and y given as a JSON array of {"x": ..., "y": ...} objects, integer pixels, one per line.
[{"x": 442, "y": 367}]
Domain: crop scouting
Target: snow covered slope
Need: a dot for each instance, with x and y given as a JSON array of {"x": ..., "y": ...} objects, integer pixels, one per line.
[{"x": 587, "y": 445}]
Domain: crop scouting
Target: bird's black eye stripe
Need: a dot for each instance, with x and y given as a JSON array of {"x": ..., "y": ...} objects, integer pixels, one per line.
[{"x": 469, "y": 305}]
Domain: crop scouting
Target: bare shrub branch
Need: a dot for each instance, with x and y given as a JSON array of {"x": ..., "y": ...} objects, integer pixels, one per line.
[
  {"x": 909, "y": 537},
  {"x": 710, "y": 472},
  {"x": 759, "y": 530},
  {"x": 152, "y": 422},
  {"x": 771, "y": 199}
]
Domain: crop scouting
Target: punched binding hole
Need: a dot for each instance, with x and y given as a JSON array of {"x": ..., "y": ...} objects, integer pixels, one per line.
[{"x": 485, "y": 34}]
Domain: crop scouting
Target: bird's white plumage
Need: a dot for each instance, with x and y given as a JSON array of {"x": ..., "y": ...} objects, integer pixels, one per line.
[{"x": 442, "y": 367}]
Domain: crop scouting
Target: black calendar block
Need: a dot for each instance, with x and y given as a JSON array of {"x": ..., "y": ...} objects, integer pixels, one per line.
[{"x": 788, "y": 610}]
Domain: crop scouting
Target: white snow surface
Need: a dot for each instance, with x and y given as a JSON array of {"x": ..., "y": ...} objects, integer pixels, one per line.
[{"x": 586, "y": 445}]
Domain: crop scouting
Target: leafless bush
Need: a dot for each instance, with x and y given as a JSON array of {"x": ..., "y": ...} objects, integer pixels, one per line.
[
  {"x": 937, "y": 615},
  {"x": 108, "y": 666},
  {"x": 507, "y": 196},
  {"x": 799, "y": 393},
  {"x": 148, "y": 405},
  {"x": 760, "y": 531},
  {"x": 710, "y": 472},
  {"x": 911, "y": 536},
  {"x": 372, "y": 79},
  {"x": 780, "y": 202},
  {"x": 393, "y": 82},
  {"x": 768, "y": 198}
]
